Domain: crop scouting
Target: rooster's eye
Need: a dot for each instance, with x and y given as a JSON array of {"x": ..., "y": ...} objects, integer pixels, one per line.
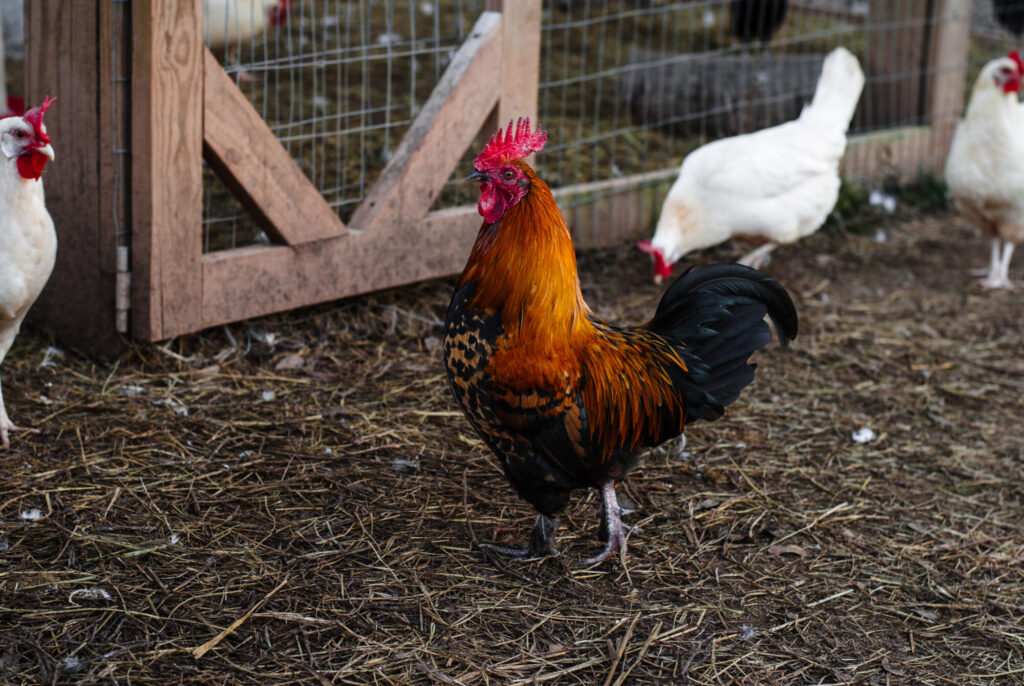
[
  {"x": 509, "y": 174},
  {"x": 19, "y": 134}
]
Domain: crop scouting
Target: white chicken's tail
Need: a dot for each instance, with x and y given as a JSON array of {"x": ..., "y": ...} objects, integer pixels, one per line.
[{"x": 839, "y": 87}]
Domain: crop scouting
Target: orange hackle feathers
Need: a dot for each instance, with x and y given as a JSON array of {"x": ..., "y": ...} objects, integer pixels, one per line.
[
  {"x": 515, "y": 145},
  {"x": 526, "y": 269}
]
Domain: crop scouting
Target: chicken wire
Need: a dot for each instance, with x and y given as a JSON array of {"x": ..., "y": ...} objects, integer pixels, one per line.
[
  {"x": 341, "y": 82},
  {"x": 120, "y": 132}
]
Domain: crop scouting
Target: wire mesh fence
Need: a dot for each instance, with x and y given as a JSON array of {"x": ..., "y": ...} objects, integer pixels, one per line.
[
  {"x": 339, "y": 83},
  {"x": 626, "y": 86}
]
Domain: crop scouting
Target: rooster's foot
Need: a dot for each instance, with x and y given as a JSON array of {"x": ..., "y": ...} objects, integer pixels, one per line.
[
  {"x": 612, "y": 527},
  {"x": 542, "y": 541},
  {"x": 602, "y": 533}
]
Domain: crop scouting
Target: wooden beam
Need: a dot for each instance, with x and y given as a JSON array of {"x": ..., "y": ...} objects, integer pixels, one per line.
[
  {"x": 898, "y": 152},
  {"x": 167, "y": 184},
  {"x": 520, "y": 59},
  {"x": 258, "y": 170},
  {"x": 442, "y": 131},
  {"x": 947, "y": 84},
  {"x": 63, "y": 58},
  {"x": 289, "y": 277},
  {"x": 437, "y": 246},
  {"x": 894, "y": 57}
]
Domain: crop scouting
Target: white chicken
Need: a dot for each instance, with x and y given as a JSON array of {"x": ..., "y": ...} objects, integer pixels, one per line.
[
  {"x": 985, "y": 167},
  {"x": 28, "y": 242},
  {"x": 229, "y": 22},
  {"x": 776, "y": 185}
]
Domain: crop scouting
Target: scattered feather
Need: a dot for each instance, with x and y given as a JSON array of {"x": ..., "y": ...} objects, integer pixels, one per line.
[
  {"x": 88, "y": 594},
  {"x": 887, "y": 202},
  {"x": 864, "y": 435}
]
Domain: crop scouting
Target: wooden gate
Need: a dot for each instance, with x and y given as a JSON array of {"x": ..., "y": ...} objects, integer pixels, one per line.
[{"x": 180, "y": 108}]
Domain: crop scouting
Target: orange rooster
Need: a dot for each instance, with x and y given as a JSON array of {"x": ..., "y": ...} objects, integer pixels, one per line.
[{"x": 563, "y": 398}]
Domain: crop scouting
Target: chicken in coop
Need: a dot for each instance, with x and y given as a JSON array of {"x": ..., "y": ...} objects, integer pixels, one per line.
[
  {"x": 28, "y": 242},
  {"x": 1010, "y": 15},
  {"x": 985, "y": 167},
  {"x": 751, "y": 20},
  {"x": 227, "y": 23},
  {"x": 775, "y": 185},
  {"x": 565, "y": 399},
  {"x": 12, "y": 46}
]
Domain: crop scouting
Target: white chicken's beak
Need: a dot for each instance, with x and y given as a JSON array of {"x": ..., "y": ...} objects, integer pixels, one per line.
[
  {"x": 658, "y": 278},
  {"x": 47, "y": 150}
]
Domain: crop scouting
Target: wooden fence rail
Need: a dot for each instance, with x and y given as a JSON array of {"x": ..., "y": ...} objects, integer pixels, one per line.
[{"x": 179, "y": 108}]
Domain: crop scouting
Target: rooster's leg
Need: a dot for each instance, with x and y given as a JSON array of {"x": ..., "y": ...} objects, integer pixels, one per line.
[
  {"x": 612, "y": 525},
  {"x": 542, "y": 541}
]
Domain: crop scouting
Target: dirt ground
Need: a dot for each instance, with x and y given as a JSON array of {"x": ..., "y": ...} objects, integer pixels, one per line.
[{"x": 302, "y": 492}]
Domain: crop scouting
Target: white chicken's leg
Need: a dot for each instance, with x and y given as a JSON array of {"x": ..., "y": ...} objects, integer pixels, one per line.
[
  {"x": 6, "y": 425},
  {"x": 1004, "y": 266},
  {"x": 999, "y": 269},
  {"x": 613, "y": 525},
  {"x": 993, "y": 262},
  {"x": 759, "y": 257},
  {"x": 8, "y": 330}
]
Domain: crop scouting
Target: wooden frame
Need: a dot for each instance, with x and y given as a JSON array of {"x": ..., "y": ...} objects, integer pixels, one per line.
[
  {"x": 68, "y": 55},
  {"x": 180, "y": 108}
]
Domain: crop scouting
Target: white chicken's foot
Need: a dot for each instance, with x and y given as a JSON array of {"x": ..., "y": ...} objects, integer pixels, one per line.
[
  {"x": 998, "y": 274},
  {"x": 612, "y": 524},
  {"x": 759, "y": 257},
  {"x": 242, "y": 75}
]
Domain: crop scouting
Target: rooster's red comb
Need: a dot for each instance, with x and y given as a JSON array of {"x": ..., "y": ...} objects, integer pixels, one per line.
[
  {"x": 515, "y": 145},
  {"x": 1015, "y": 56},
  {"x": 35, "y": 117}
]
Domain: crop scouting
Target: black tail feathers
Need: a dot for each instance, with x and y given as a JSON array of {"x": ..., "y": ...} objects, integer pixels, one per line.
[{"x": 718, "y": 312}]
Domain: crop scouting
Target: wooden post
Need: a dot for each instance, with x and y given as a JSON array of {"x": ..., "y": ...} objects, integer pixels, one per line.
[
  {"x": 167, "y": 154},
  {"x": 520, "y": 64},
  {"x": 894, "y": 56},
  {"x": 66, "y": 57},
  {"x": 947, "y": 84}
]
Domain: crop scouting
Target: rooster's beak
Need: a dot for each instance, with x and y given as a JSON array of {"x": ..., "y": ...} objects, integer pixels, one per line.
[
  {"x": 46, "y": 150},
  {"x": 477, "y": 176}
]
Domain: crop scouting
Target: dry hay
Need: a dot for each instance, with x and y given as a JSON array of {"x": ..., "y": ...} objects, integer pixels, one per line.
[{"x": 301, "y": 494}]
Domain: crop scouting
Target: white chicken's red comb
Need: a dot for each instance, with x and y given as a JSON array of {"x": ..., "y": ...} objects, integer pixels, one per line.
[
  {"x": 35, "y": 117},
  {"x": 1015, "y": 56},
  {"x": 515, "y": 145}
]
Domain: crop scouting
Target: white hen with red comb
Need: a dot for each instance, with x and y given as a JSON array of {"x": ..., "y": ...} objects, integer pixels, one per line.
[
  {"x": 777, "y": 184},
  {"x": 229, "y": 22},
  {"x": 28, "y": 242},
  {"x": 985, "y": 167}
]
